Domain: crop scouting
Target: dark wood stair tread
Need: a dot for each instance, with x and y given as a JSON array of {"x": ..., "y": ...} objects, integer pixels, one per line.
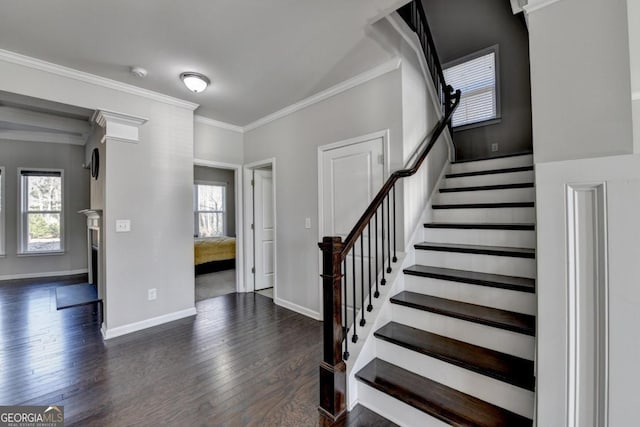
[
  {"x": 513, "y": 283},
  {"x": 435, "y": 399},
  {"x": 485, "y": 205},
  {"x": 481, "y": 226},
  {"x": 489, "y": 172},
  {"x": 478, "y": 249},
  {"x": 501, "y": 366},
  {"x": 487, "y": 187},
  {"x": 502, "y": 156},
  {"x": 508, "y": 320}
]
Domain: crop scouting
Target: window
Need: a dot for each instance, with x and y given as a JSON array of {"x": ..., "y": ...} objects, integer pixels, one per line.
[
  {"x": 41, "y": 217},
  {"x": 1, "y": 211},
  {"x": 475, "y": 76},
  {"x": 209, "y": 209}
]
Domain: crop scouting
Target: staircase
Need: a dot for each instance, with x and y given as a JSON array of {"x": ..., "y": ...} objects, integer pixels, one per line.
[{"x": 459, "y": 349}]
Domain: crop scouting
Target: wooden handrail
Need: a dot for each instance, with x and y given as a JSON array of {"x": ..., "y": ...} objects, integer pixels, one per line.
[{"x": 402, "y": 173}]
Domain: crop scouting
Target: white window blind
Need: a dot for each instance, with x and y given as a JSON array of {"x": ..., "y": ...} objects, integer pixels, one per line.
[{"x": 476, "y": 79}]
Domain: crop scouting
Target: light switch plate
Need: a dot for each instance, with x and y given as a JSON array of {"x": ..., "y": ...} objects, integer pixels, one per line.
[
  {"x": 123, "y": 225},
  {"x": 307, "y": 223}
]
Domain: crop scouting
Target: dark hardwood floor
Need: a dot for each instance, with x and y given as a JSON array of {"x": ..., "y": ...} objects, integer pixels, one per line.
[{"x": 242, "y": 361}]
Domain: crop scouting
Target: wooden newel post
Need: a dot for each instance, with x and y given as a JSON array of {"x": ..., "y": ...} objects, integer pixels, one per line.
[{"x": 333, "y": 370}]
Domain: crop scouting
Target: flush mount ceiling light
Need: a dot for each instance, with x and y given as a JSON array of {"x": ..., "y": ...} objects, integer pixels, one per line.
[{"x": 195, "y": 82}]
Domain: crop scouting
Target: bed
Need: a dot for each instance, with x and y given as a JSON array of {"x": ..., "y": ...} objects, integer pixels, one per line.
[{"x": 214, "y": 254}]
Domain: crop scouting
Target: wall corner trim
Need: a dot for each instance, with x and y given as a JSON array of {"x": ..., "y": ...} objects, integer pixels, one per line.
[
  {"x": 109, "y": 333},
  {"x": 635, "y": 96},
  {"x": 534, "y": 7},
  {"x": 118, "y": 126},
  {"x": 361, "y": 78},
  {"x": 60, "y": 70},
  {"x": 297, "y": 308},
  {"x": 218, "y": 124}
]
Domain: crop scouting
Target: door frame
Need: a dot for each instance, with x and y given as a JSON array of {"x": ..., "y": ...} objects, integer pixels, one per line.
[
  {"x": 384, "y": 134},
  {"x": 248, "y": 232},
  {"x": 238, "y": 188}
]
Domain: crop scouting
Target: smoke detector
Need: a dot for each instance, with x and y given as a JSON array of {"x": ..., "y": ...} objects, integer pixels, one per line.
[{"x": 139, "y": 72}]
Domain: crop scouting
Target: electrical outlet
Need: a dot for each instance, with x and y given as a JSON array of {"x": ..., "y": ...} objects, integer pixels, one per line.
[
  {"x": 152, "y": 294},
  {"x": 307, "y": 223},
  {"x": 123, "y": 225},
  {"x": 494, "y": 147}
]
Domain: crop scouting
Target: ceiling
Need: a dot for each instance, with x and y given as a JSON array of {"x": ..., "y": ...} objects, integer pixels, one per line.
[
  {"x": 262, "y": 55},
  {"x": 23, "y": 118}
]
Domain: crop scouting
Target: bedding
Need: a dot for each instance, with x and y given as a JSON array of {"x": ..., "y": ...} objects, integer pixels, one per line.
[{"x": 208, "y": 249}]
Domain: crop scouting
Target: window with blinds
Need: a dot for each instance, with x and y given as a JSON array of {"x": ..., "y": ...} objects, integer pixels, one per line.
[{"x": 475, "y": 76}]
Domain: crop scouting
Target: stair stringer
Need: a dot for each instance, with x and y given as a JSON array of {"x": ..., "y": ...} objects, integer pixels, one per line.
[{"x": 364, "y": 351}]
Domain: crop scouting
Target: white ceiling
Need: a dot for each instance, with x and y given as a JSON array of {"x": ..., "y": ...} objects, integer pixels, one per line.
[{"x": 262, "y": 55}]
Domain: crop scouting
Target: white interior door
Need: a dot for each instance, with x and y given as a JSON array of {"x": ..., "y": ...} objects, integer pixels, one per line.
[
  {"x": 352, "y": 175},
  {"x": 264, "y": 228}
]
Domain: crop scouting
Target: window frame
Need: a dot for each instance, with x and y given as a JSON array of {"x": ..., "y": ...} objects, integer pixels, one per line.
[
  {"x": 495, "y": 49},
  {"x": 196, "y": 212},
  {"x": 3, "y": 178},
  {"x": 23, "y": 212}
]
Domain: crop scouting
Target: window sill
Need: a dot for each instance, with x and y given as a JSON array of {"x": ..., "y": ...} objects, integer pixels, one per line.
[
  {"x": 478, "y": 124},
  {"x": 28, "y": 254}
]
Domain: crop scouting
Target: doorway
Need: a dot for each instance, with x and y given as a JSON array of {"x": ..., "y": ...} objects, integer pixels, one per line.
[{"x": 261, "y": 232}]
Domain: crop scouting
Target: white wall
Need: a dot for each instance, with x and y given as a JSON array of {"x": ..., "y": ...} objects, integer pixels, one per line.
[
  {"x": 579, "y": 52},
  {"x": 633, "y": 12},
  {"x": 293, "y": 141},
  {"x": 217, "y": 144},
  {"x": 149, "y": 183},
  {"x": 20, "y": 154},
  {"x": 582, "y": 120}
]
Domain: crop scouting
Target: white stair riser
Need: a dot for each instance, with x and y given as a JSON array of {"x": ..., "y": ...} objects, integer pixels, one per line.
[
  {"x": 393, "y": 409},
  {"x": 492, "y": 215},
  {"x": 491, "y": 179},
  {"x": 480, "y": 165},
  {"x": 488, "y": 196},
  {"x": 510, "y": 266},
  {"x": 505, "y": 299},
  {"x": 499, "y": 393},
  {"x": 508, "y": 238},
  {"x": 520, "y": 345}
]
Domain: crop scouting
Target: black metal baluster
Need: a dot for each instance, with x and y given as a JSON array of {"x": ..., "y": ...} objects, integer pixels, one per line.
[
  {"x": 370, "y": 306},
  {"x": 362, "y": 321},
  {"x": 395, "y": 222},
  {"x": 388, "y": 235},
  {"x": 383, "y": 281},
  {"x": 377, "y": 294},
  {"x": 354, "y": 338},
  {"x": 345, "y": 355}
]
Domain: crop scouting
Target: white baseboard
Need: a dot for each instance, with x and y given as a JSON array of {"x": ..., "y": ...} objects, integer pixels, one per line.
[
  {"x": 297, "y": 308},
  {"x": 45, "y": 274},
  {"x": 107, "y": 334}
]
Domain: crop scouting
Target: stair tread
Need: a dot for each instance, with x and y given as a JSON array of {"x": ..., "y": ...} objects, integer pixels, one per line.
[
  {"x": 508, "y": 320},
  {"x": 487, "y": 187},
  {"x": 435, "y": 399},
  {"x": 502, "y": 156},
  {"x": 482, "y": 226},
  {"x": 478, "y": 249},
  {"x": 490, "y": 172},
  {"x": 484, "y": 205},
  {"x": 523, "y": 284},
  {"x": 501, "y": 366}
]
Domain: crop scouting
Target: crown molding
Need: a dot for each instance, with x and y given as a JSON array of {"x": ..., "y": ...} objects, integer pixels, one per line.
[
  {"x": 118, "y": 126},
  {"x": 218, "y": 124},
  {"x": 533, "y": 7},
  {"x": 362, "y": 78},
  {"x": 38, "y": 64}
]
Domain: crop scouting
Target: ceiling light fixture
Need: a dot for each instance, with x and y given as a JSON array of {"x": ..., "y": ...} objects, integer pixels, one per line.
[{"x": 195, "y": 82}]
